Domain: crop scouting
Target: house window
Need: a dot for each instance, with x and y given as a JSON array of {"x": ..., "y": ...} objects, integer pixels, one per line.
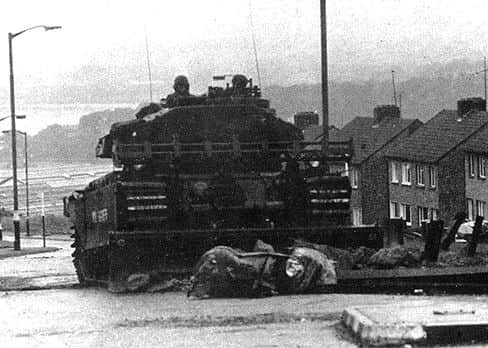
[
  {"x": 420, "y": 175},
  {"x": 395, "y": 172},
  {"x": 471, "y": 165},
  {"x": 481, "y": 167},
  {"x": 406, "y": 214},
  {"x": 470, "y": 208},
  {"x": 394, "y": 210},
  {"x": 480, "y": 208},
  {"x": 433, "y": 213},
  {"x": 432, "y": 177},
  {"x": 422, "y": 214},
  {"x": 354, "y": 177},
  {"x": 406, "y": 175},
  {"x": 357, "y": 216}
]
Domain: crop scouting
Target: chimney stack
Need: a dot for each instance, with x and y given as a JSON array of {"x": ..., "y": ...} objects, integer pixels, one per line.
[
  {"x": 385, "y": 112},
  {"x": 304, "y": 119},
  {"x": 464, "y": 106}
]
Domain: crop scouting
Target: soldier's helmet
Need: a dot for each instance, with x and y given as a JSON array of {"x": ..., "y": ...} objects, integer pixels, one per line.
[
  {"x": 181, "y": 81},
  {"x": 239, "y": 81}
]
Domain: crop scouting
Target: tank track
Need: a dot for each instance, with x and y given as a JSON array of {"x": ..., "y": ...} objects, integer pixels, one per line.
[
  {"x": 79, "y": 260},
  {"x": 88, "y": 263}
]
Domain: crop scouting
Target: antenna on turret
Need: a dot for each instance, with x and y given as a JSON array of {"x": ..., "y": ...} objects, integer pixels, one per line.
[
  {"x": 254, "y": 45},
  {"x": 148, "y": 65}
]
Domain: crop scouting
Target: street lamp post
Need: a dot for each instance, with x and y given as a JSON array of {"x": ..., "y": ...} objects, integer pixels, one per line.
[
  {"x": 16, "y": 220},
  {"x": 27, "y": 223}
]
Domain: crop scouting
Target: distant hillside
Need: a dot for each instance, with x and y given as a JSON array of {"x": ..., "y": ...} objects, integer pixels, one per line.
[
  {"x": 69, "y": 143},
  {"x": 421, "y": 98}
]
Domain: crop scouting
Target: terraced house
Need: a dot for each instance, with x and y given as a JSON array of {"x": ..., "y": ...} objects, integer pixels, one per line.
[
  {"x": 441, "y": 168},
  {"x": 372, "y": 137}
]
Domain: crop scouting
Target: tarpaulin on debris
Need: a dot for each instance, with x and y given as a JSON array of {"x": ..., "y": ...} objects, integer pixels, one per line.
[{"x": 226, "y": 272}]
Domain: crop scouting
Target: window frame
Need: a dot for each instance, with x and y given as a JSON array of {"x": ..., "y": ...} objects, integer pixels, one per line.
[
  {"x": 480, "y": 208},
  {"x": 471, "y": 165},
  {"x": 420, "y": 171},
  {"x": 406, "y": 174},
  {"x": 422, "y": 214},
  {"x": 433, "y": 214},
  {"x": 406, "y": 211},
  {"x": 354, "y": 177},
  {"x": 394, "y": 207},
  {"x": 432, "y": 177},
  {"x": 470, "y": 208},
  {"x": 481, "y": 167},
  {"x": 357, "y": 217},
  {"x": 395, "y": 174}
]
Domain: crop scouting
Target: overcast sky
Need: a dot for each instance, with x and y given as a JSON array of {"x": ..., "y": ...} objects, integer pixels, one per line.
[{"x": 186, "y": 36}]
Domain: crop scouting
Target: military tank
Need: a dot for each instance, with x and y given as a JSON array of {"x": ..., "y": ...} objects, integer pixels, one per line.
[{"x": 217, "y": 169}]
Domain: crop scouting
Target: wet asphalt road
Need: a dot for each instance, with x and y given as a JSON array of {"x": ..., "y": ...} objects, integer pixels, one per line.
[
  {"x": 77, "y": 317},
  {"x": 97, "y": 318}
]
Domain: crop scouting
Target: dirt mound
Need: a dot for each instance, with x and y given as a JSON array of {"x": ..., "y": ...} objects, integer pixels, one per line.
[
  {"x": 394, "y": 257},
  {"x": 343, "y": 258}
]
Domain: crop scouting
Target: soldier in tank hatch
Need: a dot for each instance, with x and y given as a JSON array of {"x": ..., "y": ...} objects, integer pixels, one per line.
[
  {"x": 182, "y": 89},
  {"x": 239, "y": 83}
]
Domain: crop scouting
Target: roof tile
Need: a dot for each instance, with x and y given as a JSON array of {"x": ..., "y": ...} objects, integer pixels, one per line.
[
  {"x": 444, "y": 132},
  {"x": 369, "y": 137}
]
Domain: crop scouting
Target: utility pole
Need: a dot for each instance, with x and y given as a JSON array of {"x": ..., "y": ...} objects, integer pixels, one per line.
[
  {"x": 325, "y": 81},
  {"x": 27, "y": 213},
  {"x": 394, "y": 87},
  {"x": 484, "y": 71}
]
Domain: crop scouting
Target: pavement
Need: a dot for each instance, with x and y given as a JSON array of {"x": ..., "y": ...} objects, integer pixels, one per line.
[
  {"x": 35, "y": 266},
  {"x": 7, "y": 250},
  {"x": 420, "y": 321}
]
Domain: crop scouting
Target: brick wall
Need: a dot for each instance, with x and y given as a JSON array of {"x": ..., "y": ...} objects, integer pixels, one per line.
[
  {"x": 374, "y": 189},
  {"x": 356, "y": 193},
  {"x": 452, "y": 189},
  {"x": 414, "y": 195},
  {"x": 374, "y": 183},
  {"x": 476, "y": 185}
]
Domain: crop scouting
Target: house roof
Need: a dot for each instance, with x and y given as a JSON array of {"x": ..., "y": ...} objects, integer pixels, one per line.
[
  {"x": 441, "y": 134},
  {"x": 369, "y": 137}
]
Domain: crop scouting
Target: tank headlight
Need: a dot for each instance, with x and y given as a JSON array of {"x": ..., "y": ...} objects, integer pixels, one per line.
[{"x": 293, "y": 268}]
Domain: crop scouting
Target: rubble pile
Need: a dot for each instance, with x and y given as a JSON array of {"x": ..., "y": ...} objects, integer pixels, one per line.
[
  {"x": 388, "y": 258},
  {"x": 460, "y": 259}
]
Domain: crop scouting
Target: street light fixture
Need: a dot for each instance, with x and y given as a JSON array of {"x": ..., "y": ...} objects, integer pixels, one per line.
[
  {"x": 16, "y": 221},
  {"x": 27, "y": 222},
  {"x": 19, "y": 117}
]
